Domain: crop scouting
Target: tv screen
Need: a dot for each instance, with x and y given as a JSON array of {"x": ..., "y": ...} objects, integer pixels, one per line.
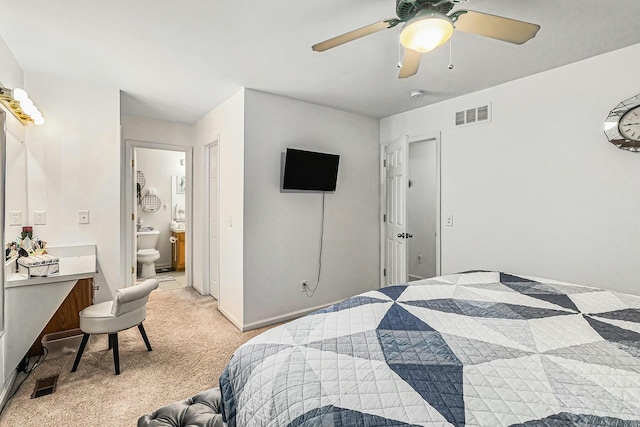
[{"x": 311, "y": 171}]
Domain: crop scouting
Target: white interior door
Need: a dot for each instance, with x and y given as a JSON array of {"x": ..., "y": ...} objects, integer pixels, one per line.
[
  {"x": 395, "y": 156},
  {"x": 213, "y": 221}
]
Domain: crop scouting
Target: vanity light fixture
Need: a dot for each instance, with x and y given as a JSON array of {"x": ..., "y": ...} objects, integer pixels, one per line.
[{"x": 18, "y": 102}]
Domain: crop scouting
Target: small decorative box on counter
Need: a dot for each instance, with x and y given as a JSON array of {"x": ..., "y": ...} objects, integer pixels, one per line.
[{"x": 38, "y": 266}]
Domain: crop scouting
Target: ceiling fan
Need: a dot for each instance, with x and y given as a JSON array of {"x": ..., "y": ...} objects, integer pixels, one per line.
[{"x": 429, "y": 23}]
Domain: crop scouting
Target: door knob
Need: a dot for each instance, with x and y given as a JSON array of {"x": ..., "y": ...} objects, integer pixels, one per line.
[
  {"x": 409, "y": 235},
  {"x": 401, "y": 235}
]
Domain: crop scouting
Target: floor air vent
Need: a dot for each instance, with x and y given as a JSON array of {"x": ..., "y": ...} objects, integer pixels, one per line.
[
  {"x": 45, "y": 386},
  {"x": 474, "y": 115}
]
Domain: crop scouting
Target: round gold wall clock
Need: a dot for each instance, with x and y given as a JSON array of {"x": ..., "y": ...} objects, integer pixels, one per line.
[{"x": 622, "y": 126}]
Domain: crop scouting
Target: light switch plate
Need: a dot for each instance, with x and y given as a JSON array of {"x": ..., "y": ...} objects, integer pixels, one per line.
[
  {"x": 83, "y": 217},
  {"x": 39, "y": 218},
  {"x": 15, "y": 218}
]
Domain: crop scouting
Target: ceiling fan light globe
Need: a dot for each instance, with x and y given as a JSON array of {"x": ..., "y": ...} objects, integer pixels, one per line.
[{"x": 425, "y": 33}]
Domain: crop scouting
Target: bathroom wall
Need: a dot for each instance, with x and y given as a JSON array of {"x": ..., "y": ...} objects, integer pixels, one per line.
[{"x": 159, "y": 166}]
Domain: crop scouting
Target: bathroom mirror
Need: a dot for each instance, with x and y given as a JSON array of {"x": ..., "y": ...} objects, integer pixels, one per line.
[{"x": 178, "y": 187}]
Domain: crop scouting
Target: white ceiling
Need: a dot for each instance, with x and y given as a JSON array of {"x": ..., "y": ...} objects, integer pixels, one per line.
[{"x": 177, "y": 60}]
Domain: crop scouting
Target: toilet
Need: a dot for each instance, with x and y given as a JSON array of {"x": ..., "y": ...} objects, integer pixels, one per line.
[{"x": 146, "y": 252}]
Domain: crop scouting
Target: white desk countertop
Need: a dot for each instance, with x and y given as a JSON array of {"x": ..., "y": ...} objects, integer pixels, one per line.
[{"x": 75, "y": 263}]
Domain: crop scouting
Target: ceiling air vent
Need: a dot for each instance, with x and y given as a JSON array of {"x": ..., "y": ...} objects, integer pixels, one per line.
[{"x": 474, "y": 115}]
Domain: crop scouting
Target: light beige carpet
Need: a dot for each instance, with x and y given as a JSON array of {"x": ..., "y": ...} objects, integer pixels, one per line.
[{"x": 192, "y": 342}]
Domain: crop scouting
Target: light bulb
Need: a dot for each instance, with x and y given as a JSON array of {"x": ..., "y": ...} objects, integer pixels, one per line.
[
  {"x": 27, "y": 106},
  {"x": 38, "y": 120},
  {"x": 19, "y": 94}
]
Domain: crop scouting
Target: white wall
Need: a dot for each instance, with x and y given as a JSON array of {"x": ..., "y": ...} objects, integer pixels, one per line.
[
  {"x": 539, "y": 190},
  {"x": 158, "y": 131},
  {"x": 11, "y": 74},
  {"x": 74, "y": 164},
  {"x": 226, "y": 125},
  {"x": 282, "y": 230},
  {"x": 159, "y": 166}
]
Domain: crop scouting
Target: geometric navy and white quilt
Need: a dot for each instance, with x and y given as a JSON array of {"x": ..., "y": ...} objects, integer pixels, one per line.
[{"x": 471, "y": 349}]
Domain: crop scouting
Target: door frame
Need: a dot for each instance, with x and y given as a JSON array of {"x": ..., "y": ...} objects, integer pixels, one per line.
[
  {"x": 411, "y": 139},
  {"x": 207, "y": 216},
  {"x": 128, "y": 217}
]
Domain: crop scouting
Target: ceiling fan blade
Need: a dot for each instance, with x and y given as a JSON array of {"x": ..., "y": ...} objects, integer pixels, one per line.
[
  {"x": 410, "y": 63},
  {"x": 355, "y": 34},
  {"x": 496, "y": 27}
]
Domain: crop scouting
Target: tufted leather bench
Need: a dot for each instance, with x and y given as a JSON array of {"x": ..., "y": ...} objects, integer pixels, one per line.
[{"x": 201, "y": 410}]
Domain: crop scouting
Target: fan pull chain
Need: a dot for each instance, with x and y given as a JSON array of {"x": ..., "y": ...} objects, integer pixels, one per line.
[{"x": 451, "y": 53}]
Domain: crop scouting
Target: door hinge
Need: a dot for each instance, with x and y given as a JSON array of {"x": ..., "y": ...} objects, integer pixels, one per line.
[
  {"x": 133, "y": 163},
  {"x": 384, "y": 218},
  {"x": 384, "y": 163},
  {"x": 132, "y": 217},
  {"x": 384, "y": 272},
  {"x": 133, "y": 270}
]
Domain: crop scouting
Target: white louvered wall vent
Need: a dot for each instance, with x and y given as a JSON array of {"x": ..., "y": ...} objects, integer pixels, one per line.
[{"x": 474, "y": 116}]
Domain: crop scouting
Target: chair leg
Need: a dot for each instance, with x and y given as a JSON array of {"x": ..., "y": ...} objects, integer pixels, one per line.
[
  {"x": 116, "y": 356},
  {"x": 144, "y": 336},
  {"x": 110, "y": 342},
  {"x": 83, "y": 344}
]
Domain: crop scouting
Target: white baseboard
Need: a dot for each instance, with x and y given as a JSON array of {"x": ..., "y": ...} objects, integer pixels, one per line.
[
  {"x": 284, "y": 317},
  {"x": 230, "y": 317},
  {"x": 6, "y": 387}
]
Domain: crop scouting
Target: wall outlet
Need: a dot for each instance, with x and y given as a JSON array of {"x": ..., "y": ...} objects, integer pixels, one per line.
[
  {"x": 449, "y": 222},
  {"x": 303, "y": 286},
  {"x": 39, "y": 218},
  {"x": 15, "y": 218},
  {"x": 83, "y": 217}
]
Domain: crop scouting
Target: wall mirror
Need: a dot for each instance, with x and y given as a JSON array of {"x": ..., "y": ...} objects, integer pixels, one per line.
[
  {"x": 15, "y": 186},
  {"x": 178, "y": 188}
]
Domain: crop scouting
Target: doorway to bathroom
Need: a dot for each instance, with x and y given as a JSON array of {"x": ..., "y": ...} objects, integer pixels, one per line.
[{"x": 158, "y": 213}]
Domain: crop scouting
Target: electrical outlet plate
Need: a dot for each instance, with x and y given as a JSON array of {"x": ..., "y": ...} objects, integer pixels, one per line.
[
  {"x": 39, "y": 218},
  {"x": 449, "y": 221},
  {"x": 303, "y": 286}
]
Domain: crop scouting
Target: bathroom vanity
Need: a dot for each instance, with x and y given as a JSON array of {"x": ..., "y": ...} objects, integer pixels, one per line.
[{"x": 177, "y": 250}]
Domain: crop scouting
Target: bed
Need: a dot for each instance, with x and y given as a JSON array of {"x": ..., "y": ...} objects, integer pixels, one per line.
[{"x": 471, "y": 349}]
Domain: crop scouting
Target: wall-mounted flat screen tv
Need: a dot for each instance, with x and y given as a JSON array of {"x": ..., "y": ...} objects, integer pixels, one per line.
[{"x": 310, "y": 171}]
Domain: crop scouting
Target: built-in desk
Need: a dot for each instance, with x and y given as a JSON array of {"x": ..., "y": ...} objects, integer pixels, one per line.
[
  {"x": 30, "y": 304},
  {"x": 75, "y": 262}
]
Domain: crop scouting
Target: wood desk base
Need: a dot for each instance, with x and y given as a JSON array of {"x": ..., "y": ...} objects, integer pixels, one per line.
[{"x": 80, "y": 297}]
